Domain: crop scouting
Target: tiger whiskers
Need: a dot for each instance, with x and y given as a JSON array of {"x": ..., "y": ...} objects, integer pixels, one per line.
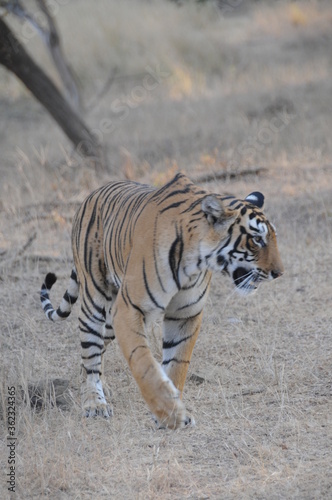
[{"x": 246, "y": 286}]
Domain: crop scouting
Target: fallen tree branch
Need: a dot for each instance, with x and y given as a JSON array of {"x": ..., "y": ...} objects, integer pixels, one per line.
[
  {"x": 26, "y": 245},
  {"x": 48, "y": 258},
  {"x": 107, "y": 85},
  {"x": 12, "y": 257},
  {"x": 215, "y": 176},
  {"x": 52, "y": 205}
]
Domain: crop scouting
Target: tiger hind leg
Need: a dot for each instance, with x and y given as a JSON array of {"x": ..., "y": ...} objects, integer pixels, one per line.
[
  {"x": 92, "y": 320},
  {"x": 109, "y": 336}
]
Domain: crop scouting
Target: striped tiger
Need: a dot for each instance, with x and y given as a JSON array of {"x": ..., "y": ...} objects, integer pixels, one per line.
[{"x": 143, "y": 254}]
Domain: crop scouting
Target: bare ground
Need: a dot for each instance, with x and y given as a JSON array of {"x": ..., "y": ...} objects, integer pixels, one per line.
[{"x": 249, "y": 88}]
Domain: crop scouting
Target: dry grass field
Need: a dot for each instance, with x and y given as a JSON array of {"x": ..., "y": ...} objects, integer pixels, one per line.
[{"x": 246, "y": 86}]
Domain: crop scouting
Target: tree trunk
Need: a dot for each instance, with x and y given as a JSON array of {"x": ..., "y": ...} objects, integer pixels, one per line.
[{"x": 14, "y": 57}]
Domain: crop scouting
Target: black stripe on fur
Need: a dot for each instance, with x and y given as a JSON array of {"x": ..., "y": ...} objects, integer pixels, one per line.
[{"x": 50, "y": 279}]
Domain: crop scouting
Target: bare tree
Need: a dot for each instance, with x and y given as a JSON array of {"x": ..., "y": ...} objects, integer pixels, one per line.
[{"x": 64, "y": 110}]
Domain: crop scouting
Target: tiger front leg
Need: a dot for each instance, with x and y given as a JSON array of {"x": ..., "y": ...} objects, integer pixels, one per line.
[
  {"x": 157, "y": 389},
  {"x": 179, "y": 338},
  {"x": 182, "y": 323}
]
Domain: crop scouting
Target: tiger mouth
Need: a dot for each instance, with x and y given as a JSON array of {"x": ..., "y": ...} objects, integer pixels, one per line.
[{"x": 245, "y": 280}]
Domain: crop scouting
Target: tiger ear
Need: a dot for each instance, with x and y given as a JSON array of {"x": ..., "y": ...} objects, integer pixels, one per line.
[
  {"x": 215, "y": 211},
  {"x": 256, "y": 199}
]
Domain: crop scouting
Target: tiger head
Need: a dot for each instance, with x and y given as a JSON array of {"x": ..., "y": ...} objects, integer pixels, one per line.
[{"x": 248, "y": 253}]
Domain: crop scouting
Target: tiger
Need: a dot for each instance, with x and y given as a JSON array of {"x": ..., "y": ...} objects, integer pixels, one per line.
[{"x": 144, "y": 254}]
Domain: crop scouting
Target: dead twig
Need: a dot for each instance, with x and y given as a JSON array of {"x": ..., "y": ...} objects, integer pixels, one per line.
[
  {"x": 12, "y": 257},
  {"x": 214, "y": 176},
  {"x": 48, "y": 206},
  {"x": 26, "y": 244},
  {"x": 247, "y": 392},
  {"x": 48, "y": 258},
  {"x": 34, "y": 217},
  {"x": 106, "y": 87}
]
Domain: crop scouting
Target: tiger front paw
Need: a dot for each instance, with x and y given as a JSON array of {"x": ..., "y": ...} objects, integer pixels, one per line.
[
  {"x": 94, "y": 403},
  {"x": 171, "y": 413},
  {"x": 179, "y": 423}
]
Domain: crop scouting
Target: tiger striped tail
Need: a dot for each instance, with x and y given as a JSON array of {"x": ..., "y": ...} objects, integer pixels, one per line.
[{"x": 69, "y": 298}]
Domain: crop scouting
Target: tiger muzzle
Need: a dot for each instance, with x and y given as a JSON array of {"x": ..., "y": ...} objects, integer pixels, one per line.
[{"x": 276, "y": 273}]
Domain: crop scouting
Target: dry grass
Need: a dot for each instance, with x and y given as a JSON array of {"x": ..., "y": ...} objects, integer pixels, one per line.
[{"x": 259, "y": 384}]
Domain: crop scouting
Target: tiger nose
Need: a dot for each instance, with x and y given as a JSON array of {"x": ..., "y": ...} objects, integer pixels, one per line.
[{"x": 276, "y": 273}]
